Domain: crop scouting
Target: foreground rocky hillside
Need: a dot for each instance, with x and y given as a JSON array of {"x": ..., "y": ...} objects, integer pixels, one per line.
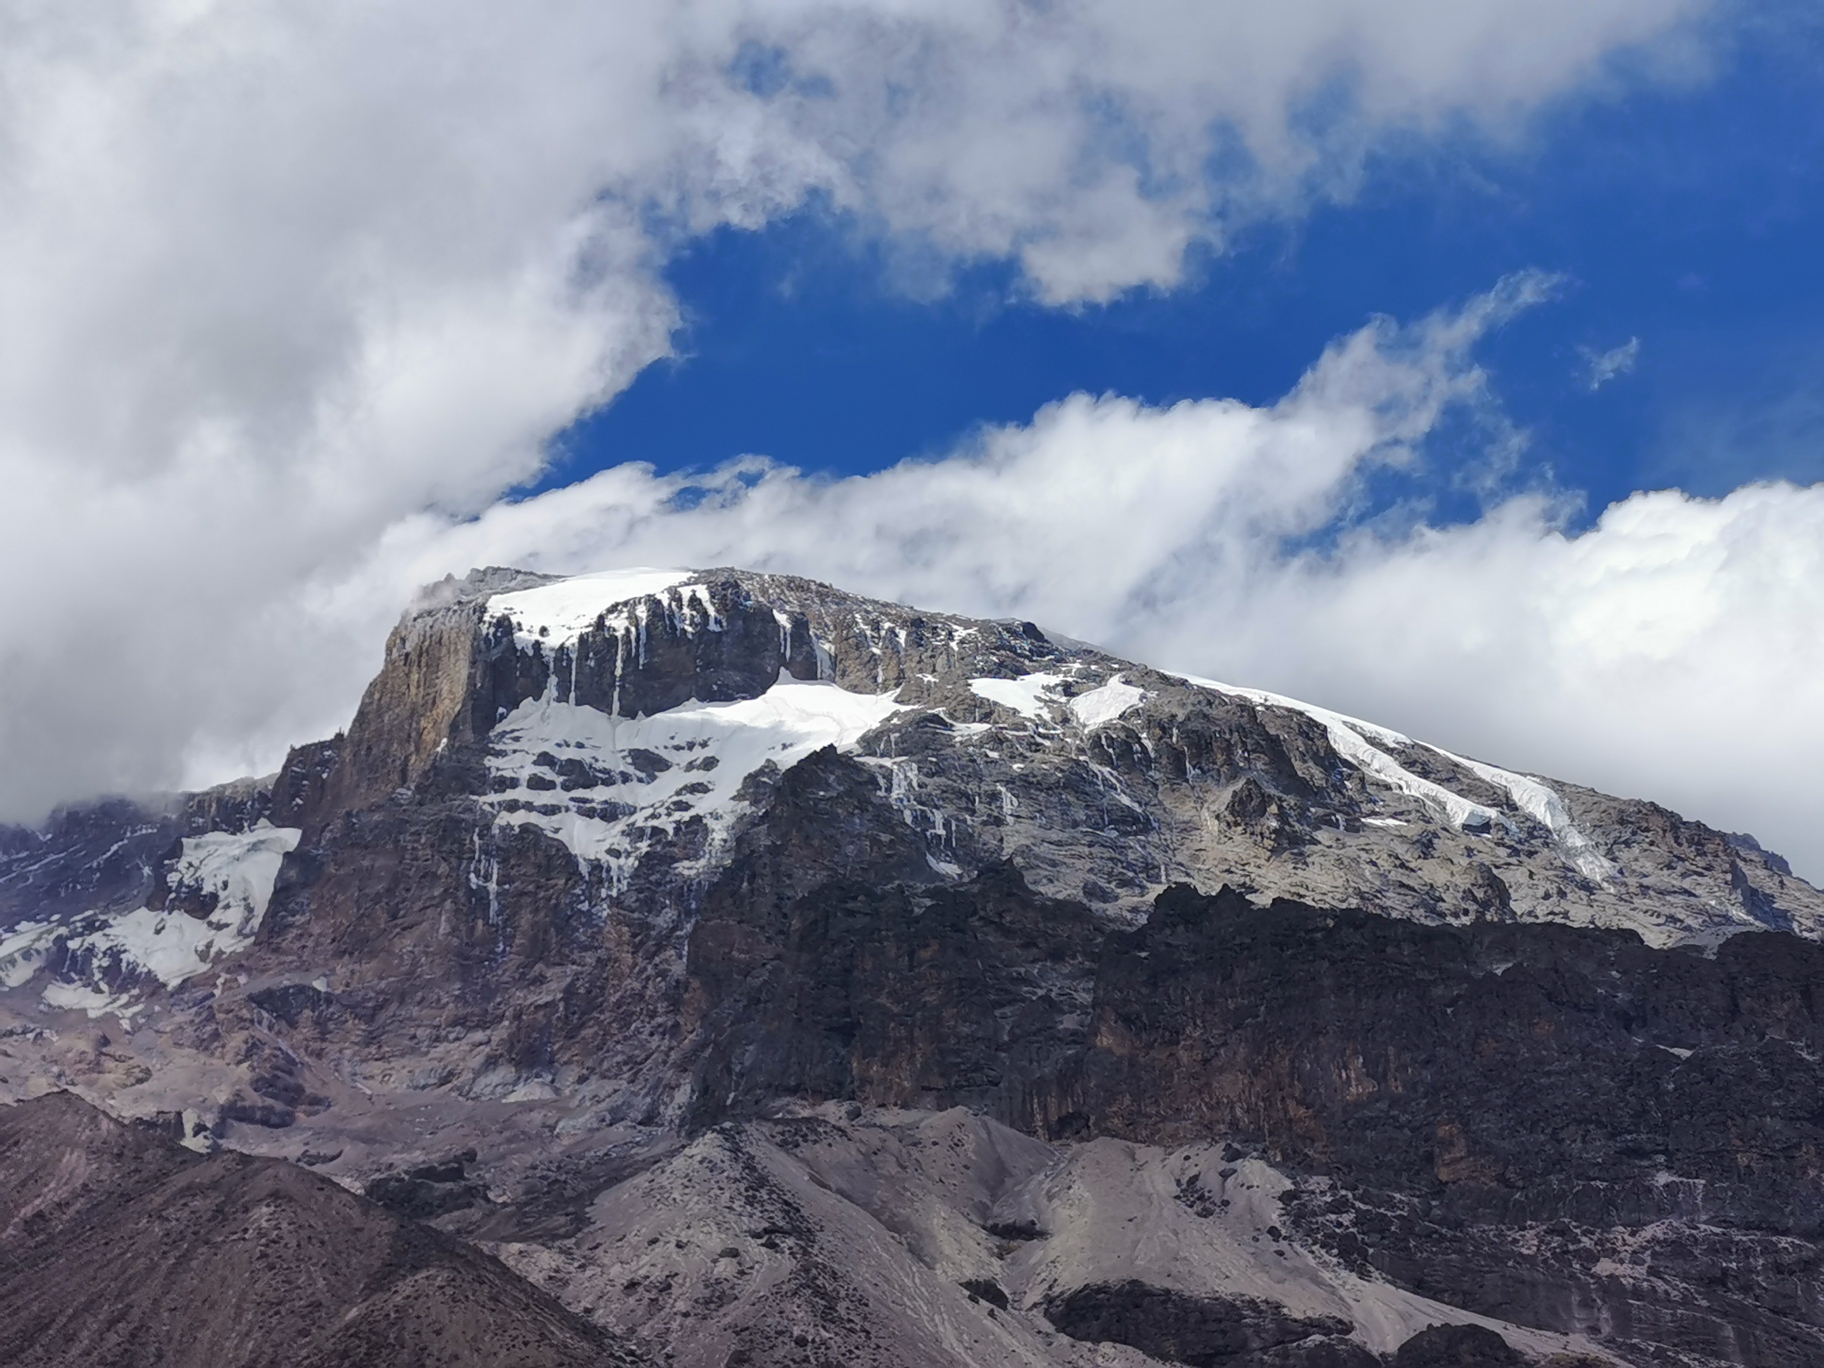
[
  {"x": 780, "y": 976},
  {"x": 123, "y": 1249}
]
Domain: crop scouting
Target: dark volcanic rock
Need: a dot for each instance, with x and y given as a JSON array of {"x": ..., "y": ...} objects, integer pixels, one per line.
[
  {"x": 121, "y": 1250},
  {"x": 245, "y": 1111},
  {"x": 1204, "y": 1332},
  {"x": 904, "y": 996},
  {"x": 1380, "y": 1047},
  {"x": 1320, "y": 1351},
  {"x": 987, "y": 1290},
  {"x": 1456, "y": 1346},
  {"x": 430, "y": 1190}
]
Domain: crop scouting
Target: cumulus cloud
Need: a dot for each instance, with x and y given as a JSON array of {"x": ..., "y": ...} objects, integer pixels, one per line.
[{"x": 290, "y": 295}]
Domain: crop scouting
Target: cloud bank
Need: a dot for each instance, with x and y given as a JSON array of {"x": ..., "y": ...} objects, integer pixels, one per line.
[{"x": 290, "y": 296}]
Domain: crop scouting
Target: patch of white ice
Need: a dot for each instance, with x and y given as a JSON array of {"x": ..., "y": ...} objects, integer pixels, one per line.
[
  {"x": 1544, "y": 806},
  {"x": 1097, "y": 706},
  {"x": 642, "y": 773},
  {"x": 1025, "y": 695},
  {"x": 238, "y": 868},
  {"x": 169, "y": 945},
  {"x": 557, "y": 614},
  {"x": 21, "y": 949},
  {"x": 95, "y": 1002}
]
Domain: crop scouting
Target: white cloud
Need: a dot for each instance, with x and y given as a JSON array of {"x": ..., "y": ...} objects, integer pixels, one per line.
[
  {"x": 1601, "y": 367},
  {"x": 286, "y": 288}
]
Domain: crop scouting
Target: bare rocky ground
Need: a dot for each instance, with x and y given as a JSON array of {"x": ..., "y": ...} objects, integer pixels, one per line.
[
  {"x": 775, "y": 976},
  {"x": 855, "y": 1236},
  {"x": 123, "y": 1248}
]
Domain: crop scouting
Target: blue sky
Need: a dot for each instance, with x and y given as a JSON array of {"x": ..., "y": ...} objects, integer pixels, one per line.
[{"x": 1688, "y": 217}]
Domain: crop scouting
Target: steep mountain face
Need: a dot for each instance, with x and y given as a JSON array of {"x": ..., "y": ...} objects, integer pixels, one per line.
[{"x": 723, "y": 896}]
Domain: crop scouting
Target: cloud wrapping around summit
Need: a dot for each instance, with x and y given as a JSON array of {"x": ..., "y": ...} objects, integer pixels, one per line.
[
  {"x": 1670, "y": 651},
  {"x": 291, "y": 296}
]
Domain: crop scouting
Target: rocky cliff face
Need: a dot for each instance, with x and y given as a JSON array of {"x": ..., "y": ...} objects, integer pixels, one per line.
[{"x": 609, "y": 870}]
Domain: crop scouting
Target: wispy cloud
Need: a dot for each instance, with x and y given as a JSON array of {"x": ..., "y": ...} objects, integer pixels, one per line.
[{"x": 1601, "y": 367}]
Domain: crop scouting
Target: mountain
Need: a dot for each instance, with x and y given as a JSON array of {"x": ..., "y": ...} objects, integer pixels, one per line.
[{"x": 815, "y": 979}]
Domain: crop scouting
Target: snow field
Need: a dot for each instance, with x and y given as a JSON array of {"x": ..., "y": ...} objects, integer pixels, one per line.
[
  {"x": 238, "y": 868},
  {"x": 555, "y": 615},
  {"x": 656, "y": 772}
]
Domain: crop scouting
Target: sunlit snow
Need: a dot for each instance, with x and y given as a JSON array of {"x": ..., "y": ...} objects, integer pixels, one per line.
[
  {"x": 237, "y": 869},
  {"x": 1545, "y": 807},
  {"x": 76, "y": 997},
  {"x": 1105, "y": 704},
  {"x": 557, "y": 614},
  {"x": 1026, "y": 695},
  {"x": 20, "y": 950},
  {"x": 600, "y": 783}
]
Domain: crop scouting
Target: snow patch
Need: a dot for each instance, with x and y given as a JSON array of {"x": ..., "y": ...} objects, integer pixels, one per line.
[
  {"x": 21, "y": 948},
  {"x": 946, "y": 868},
  {"x": 168, "y": 945},
  {"x": 95, "y": 1002},
  {"x": 240, "y": 868},
  {"x": 1025, "y": 695},
  {"x": 608, "y": 787},
  {"x": 1544, "y": 806},
  {"x": 1097, "y": 706},
  {"x": 557, "y": 614},
  {"x": 237, "y": 868}
]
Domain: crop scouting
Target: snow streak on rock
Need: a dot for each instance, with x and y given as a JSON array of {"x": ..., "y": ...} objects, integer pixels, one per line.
[
  {"x": 1354, "y": 740},
  {"x": 1545, "y": 807}
]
